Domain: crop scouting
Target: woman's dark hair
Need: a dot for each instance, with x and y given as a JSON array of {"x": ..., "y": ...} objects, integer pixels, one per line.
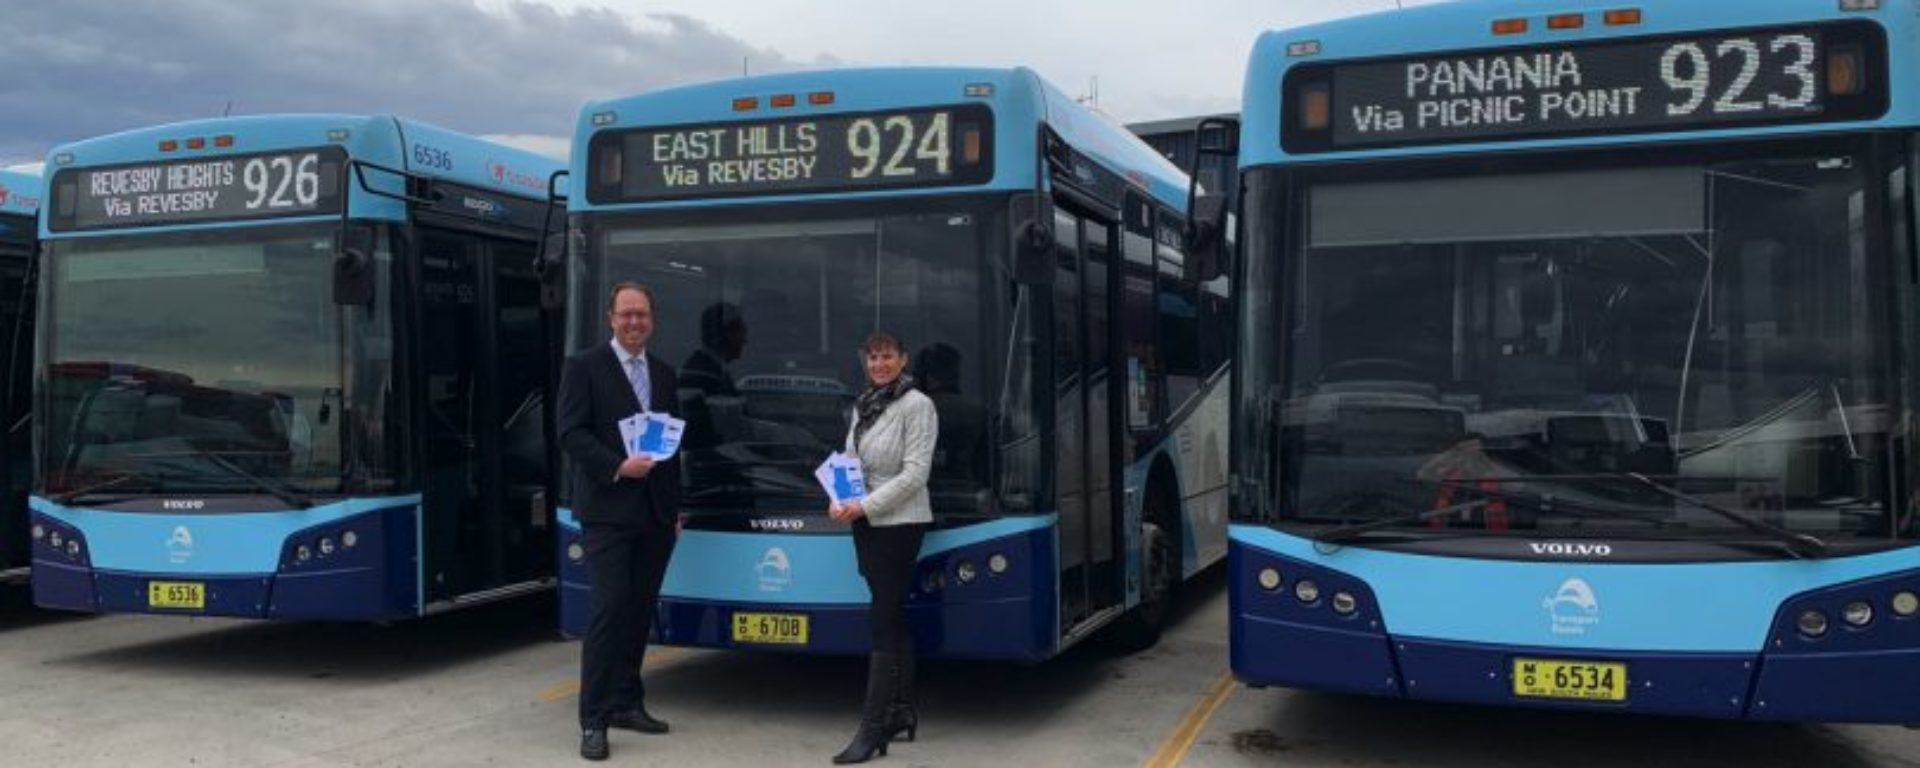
[{"x": 881, "y": 340}]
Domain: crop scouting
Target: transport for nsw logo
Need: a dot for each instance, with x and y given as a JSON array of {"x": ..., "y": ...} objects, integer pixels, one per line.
[
  {"x": 775, "y": 570},
  {"x": 180, "y": 545},
  {"x": 1573, "y": 608}
]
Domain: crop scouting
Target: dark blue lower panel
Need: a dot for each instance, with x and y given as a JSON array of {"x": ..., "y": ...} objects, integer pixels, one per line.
[
  {"x": 987, "y": 629},
  {"x": 1268, "y": 652},
  {"x": 59, "y": 585},
  {"x": 1861, "y": 687}
]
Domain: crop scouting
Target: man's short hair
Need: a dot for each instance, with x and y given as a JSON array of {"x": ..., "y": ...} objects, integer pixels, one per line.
[{"x": 613, "y": 296}]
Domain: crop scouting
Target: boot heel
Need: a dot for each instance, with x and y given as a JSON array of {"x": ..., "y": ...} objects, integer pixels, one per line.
[{"x": 883, "y": 749}]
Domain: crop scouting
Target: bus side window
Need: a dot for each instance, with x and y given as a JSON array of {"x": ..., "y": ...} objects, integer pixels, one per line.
[{"x": 1178, "y": 312}]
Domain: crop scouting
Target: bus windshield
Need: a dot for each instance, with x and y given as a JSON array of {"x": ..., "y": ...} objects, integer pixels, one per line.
[
  {"x": 764, "y": 321},
  {"x": 194, "y": 362},
  {"x": 1594, "y": 350}
]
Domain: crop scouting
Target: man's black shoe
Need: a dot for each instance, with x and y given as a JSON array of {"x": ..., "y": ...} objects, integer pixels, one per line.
[
  {"x": 593, "y": 744},
  {"x": 637, "y": 719}
]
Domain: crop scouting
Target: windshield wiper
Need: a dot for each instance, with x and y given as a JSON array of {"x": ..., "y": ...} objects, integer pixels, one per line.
[
  {"x": 1534, "y": 501},
  {"x": 273, "y": 488},
  {"x": 67, "y": 499},
  {"x": 1351, "y": 531},
  {"x": 1800, "y": 545}
]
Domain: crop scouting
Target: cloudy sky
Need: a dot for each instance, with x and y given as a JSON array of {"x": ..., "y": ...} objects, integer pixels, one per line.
[{"x": 520, "y": 68}]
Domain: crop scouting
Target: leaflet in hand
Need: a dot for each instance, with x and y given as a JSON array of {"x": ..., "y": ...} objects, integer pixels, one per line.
[
  {"x": 653, "y": 435},
  {"x": 841, "y": 477}
]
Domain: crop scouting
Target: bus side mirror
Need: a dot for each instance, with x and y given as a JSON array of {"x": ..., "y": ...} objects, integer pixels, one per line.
[
  {"x": 1031, "y": 251},
  {"x": 353, "y": 272},
  {"x": 1208, "y": 251},
  {"x": 551, "y": 267}
]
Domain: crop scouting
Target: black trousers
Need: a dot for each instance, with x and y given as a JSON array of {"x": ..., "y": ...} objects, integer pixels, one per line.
[
  {"x": 887, "y": 555},
  {"x": 625, "y": 565}
]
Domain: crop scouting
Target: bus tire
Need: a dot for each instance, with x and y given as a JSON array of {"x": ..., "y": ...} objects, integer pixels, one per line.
[{"x": 1140, "y": 629}]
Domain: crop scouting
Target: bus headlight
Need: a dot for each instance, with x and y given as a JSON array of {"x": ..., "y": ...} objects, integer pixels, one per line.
[
  {"x": 575, "y": 552},
  {"x": 997, "y": 564},
  {"x": 1858, "y": 614},
  {"x": 1905, "y": 603},
  {"x": 326, "y": 546},
  {"x": 1812, "y": 623},
  {"x": 73, "y": 547},
  {"x": 56, "y": 540},
  {"x": 965, "y": 572},
  {"x": 1269, "y": 579},
  {"x": 302, "y": 553},
  {"x": 1344, "y": 604},
  {"x": 39, "y": 532},
  {"x": 349, "y": 539},
  {"x": 1306, "y": 591}
]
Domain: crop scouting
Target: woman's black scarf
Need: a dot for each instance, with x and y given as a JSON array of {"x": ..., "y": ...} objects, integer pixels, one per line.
[{"x": 874, "y": 402}]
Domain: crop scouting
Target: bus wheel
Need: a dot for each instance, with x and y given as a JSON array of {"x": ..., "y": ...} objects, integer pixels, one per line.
[{"x": 1140, "y": 628}]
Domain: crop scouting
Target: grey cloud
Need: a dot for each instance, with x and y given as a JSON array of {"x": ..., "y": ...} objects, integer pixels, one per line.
[{"x": 84, "y": 68}]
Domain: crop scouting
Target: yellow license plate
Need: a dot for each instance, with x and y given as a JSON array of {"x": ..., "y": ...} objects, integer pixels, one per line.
[
  {"x": 1567, "y": 679},
  {"x": 176, "y": 594},
  {"x": 770, "y": 628}
]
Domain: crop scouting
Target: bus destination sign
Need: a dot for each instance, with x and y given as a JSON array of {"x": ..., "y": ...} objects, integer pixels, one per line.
[
  {"x": 908, "y": 148},
  {"x": 200, "y": 189},
  {"x": 1718, "y": 80}
]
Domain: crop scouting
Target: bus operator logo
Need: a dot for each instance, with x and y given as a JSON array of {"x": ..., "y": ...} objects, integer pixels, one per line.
[
  {"x": 775, "y": 570},
  {"x": 505, "y": 175},
  {"x": 1572, "y": 608},
  {"x": 180, "y": 545}
]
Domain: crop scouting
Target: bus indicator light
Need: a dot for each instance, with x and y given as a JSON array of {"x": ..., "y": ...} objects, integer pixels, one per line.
[
  {"x": 1620, "y": 17},
  {"x": 782, "y": 100},
  {"x": 820, "y": 98},
  {"x": 966, "y": 572},
  {"x": 1858, "y": 614},
  {"x": 1906, "y": 604},
  {"x": 1859, "y": 5},
  {"x": 1307, "y": 591},
  {"x": 1303, "y": 49},
  {"x": 169, "y": 145},
  {"x": 1843, "y": 73},
  {"x": 197, "y": 142},
  {"x": 997, "y": 564},
  {"x": 223, "y": 141},
  {"x": 1567, "y": 21},
  {"x": 1269, "y": 579},
  {"x": 349, "y": 539},
  {"x": 979, "y": 90},
  {"x": 1510, "y": 26},
  {"x": 1316, "y": 107},
  {"x": 746, "y": 103},
  {"x": 1345, "y": 604}
]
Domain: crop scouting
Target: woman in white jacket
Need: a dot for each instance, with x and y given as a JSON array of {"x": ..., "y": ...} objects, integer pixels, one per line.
[{"x": 893, "y": 433}]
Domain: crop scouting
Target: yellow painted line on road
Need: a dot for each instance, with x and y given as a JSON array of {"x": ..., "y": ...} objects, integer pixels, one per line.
[
  {"x": 571, "y": 688},
  {"x": 1174, "y": 749}
]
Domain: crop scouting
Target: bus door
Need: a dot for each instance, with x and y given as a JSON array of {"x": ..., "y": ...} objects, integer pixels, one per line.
[
  {"x": 1083, "y": 456},
  {"x": 483, "y": 358}
]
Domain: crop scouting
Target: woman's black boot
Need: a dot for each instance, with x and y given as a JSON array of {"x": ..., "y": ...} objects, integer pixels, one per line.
[
  {"x": 901, "y": 716},
  {"x": 871, "y": 739}
]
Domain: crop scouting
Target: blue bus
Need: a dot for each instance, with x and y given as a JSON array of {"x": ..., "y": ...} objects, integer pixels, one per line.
[
  {"x": 1572, "y": 365},
  {"x": 326, "y": 398},
  {"x": 1029, "y": 253},
  {"x": 19, "y": 203}
]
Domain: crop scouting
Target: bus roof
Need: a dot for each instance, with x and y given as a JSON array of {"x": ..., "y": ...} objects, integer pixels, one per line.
[
  {"x": 19, "y": 192},
  {"x": 383, "y": 140},
  {"x": 1020, "y": 98},
  {"x": 1464, "y": 25}
]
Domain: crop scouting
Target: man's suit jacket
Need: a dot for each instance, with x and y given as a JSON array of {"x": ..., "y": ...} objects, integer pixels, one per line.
[{"x": 594, "y": 396}]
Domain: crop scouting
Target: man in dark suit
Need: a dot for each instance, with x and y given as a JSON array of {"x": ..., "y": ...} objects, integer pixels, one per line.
[{"x": 627, "y": 505}]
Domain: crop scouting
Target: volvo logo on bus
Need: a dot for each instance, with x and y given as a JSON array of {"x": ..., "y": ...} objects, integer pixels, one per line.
[
  {"x": 1571, "y": 548},
  {"x": 183, "y": 504},
  {"x": 1573, "y": 607}
]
